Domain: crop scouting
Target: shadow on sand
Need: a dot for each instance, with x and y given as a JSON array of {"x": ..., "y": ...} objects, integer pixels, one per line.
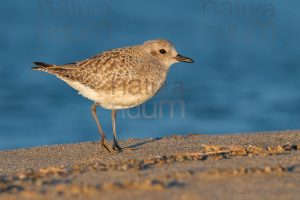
[{"x": 142, "y": 143}]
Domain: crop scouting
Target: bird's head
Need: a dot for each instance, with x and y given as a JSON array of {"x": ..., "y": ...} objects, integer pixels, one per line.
[{"x": 165, "y": 52}]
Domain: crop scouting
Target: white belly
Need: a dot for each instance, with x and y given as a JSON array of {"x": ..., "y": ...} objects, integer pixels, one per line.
[{"x": 111, "y": 99}]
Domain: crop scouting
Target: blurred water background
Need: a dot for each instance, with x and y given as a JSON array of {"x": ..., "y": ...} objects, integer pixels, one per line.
[{"x": 245, "y": 76}]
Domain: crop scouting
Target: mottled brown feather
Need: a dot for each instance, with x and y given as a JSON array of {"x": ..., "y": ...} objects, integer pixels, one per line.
[{"x": 111, "y": 68}]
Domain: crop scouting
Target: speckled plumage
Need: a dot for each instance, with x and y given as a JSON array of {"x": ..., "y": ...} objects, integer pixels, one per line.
[
  {"x": 119, "y": 78},
  {"x": 123, "y": 77}
]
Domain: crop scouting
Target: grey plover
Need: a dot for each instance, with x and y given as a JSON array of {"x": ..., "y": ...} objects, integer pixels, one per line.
[{"x": 119, "y": 78}]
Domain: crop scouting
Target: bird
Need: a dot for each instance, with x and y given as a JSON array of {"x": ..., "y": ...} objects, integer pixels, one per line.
[{"x": 119, "y": 78}]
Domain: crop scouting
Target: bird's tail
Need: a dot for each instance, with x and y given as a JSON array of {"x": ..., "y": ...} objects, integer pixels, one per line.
[
  {"x": 52, "y": 69},
  {"x": 40, "y": 66}
]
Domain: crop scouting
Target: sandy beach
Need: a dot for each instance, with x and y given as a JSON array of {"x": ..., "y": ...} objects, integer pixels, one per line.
[{"x": 193, "y": 166}]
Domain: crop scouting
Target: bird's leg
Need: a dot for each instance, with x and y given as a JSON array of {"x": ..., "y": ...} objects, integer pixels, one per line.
[
  {"x": 116, "y": 146},
  {"x": 103, "y": 137}
]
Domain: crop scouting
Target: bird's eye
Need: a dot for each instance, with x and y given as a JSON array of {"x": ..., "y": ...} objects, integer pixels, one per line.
[{"x": 162, "y": 51}]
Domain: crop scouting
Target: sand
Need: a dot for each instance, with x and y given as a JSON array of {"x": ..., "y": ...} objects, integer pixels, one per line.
[{"x": 194, "y": 166}]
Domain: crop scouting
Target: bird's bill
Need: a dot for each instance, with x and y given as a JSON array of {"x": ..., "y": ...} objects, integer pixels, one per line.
[{"x": 181, "y": 58}]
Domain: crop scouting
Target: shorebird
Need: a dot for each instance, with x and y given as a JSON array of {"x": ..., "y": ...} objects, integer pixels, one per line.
[{"x": 119, "y": 78}]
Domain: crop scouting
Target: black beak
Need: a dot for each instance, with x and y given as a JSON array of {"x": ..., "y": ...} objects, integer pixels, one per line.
[{"x": 181, "y": 58}]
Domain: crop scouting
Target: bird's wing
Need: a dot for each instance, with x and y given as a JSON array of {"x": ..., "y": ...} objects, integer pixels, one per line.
[{"x": 101, "y": 70}]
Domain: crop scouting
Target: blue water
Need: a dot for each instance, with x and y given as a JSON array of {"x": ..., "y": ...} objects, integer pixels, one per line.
[{"x": 245, "y": 76}]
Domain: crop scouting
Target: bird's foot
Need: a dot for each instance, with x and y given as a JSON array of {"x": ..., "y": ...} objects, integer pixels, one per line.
[
  {"x": 116, "y": 147},
  {"x": 105, "y": 144}
]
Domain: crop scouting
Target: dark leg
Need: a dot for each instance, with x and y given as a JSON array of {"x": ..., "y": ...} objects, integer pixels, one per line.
[
  {"x": 116, "y": 146},
  {"x": 103, "y": 137}
]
